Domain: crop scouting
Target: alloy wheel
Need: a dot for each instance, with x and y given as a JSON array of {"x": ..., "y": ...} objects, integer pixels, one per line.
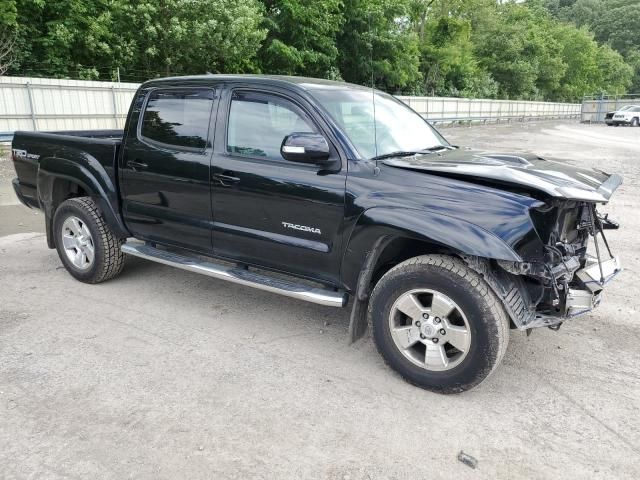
[
  {"x": 78, "y": 243},
  {"x": 430, "y": 329}
]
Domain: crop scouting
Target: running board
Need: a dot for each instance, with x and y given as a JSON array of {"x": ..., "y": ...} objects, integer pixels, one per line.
[{"x": 238, "y": 275}]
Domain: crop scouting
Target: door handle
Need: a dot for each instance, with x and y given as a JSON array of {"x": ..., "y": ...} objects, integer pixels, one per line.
[
  {"x": 137, "y": 165},
  {"x": 226, "y": 179}
]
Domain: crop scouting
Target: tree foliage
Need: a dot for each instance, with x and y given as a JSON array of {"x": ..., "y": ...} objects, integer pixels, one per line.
[
  {"x": 377, "y": 45},
  {"x": 8, "y": 16},
  {"x": 92, "y": 38},
  {"x": 301, "y": 37},
  {"x": 537, "y": 49},
  {"x": 615, "y": 23}
]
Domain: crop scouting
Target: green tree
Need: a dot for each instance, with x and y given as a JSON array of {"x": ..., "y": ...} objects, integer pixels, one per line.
[
  {"x": 617, "y": 76},
  {"x": 633, "y": 60},
  {"x": 301, "y": 37},
  {"x": 62, "y": 37},
  {"x": 476, "y": 48},
  {"x": 519, "y": 51},
  {"x": 8, "y": 14},
  {"x": 613, "y": 22},
  {"x": 91, "y": 38},
  {"x": 186, "y": 37},
  {"x": 448, "y": 61},
  {"x": 619, "y": 25},
  {"x": 583, "y": 13},
  {"x": 377, "y": 42},
  {"x": 580, "y": 53}
]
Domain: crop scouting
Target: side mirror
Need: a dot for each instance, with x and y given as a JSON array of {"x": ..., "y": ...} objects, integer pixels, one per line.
[{"x": 305, "y": 148}]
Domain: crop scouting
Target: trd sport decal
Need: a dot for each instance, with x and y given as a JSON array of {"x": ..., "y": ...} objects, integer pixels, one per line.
[{"x": 24, "y": 154}]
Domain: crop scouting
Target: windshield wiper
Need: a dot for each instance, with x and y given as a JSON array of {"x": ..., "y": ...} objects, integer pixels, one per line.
[
  {"x": 408, "y": 153},
  {"x": 399, "y": 153}
]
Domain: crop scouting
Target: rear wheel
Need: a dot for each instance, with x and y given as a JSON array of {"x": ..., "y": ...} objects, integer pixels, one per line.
[
  {"x": 85, "y": 244},
  {"x": 438, "y": 324}
]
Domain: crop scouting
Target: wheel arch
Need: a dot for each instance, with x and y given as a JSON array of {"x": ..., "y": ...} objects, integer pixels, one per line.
[
  {"x": 381, "y": 231},
  {"x": 60, "y": 179},
  {"x": 95, "y": 236},
  {"x": 383, "y": 238}
]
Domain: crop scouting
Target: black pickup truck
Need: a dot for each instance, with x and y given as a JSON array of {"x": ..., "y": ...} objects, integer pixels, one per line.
[{"x": 330, "y": 192}]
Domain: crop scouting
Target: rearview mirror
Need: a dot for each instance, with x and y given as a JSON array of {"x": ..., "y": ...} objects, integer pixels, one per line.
[{"x": 305, "y": 147}]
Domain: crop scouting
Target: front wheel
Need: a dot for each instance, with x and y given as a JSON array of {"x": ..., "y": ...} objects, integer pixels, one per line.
[
  {"x": 438, "y": 324},
  {"x": 88, "y": 249},
  {"x": 635, "y": 122}
]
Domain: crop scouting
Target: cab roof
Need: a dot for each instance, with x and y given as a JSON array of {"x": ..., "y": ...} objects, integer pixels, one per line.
[{"x": 305, "y": 83}]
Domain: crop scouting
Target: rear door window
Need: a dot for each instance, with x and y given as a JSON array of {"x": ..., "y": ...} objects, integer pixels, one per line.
[{"x": 178, "y": 118}]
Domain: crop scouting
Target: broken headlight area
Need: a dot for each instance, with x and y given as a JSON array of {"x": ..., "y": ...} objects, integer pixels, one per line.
[{"x": 568, "y": 280}]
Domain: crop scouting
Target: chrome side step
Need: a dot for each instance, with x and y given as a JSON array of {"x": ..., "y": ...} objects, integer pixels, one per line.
[{"x": 238, "y": 275}]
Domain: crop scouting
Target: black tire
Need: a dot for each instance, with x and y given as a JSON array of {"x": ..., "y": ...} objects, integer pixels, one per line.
[
  {"x": 487, "y": 319},
  {"x": 108, "y": 259},
  {"x": 635, "y": 122}
]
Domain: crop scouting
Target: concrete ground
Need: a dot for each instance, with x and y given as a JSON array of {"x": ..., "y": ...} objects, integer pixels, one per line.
[{"x": 164, "y": 374}]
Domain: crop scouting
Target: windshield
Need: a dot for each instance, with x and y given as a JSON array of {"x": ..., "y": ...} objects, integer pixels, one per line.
[{"x": 398, "y": 128}]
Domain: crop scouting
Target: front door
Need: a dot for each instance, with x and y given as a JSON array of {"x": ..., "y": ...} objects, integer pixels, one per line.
[
  {"x": 165, "y": 170},
  {"x": 268, "y": 211}
]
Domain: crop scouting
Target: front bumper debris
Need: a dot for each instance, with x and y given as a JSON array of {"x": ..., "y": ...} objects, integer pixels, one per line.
[
  {"x": 594, "y": 276},
  {"x": 581, "y": 297}
]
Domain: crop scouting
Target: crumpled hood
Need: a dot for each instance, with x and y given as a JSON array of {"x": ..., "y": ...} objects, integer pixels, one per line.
[{"x": 556, "y": 179}]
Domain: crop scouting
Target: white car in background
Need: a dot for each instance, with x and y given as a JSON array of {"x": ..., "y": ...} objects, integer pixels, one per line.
[{"x": 627, "y": 115}]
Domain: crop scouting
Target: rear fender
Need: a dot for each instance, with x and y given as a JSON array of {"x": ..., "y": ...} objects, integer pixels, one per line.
[{"x": 57, "y": 180}]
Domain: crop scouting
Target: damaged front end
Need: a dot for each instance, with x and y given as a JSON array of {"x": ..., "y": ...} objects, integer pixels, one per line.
[
  {"x": 565, "y": 259},
  {"x": 569, "y": 277}
]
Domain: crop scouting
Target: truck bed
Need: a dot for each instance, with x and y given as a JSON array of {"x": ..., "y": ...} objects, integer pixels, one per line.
[
  {"x": 101, "y": 134},
  {"x": 30, "y": 148}
]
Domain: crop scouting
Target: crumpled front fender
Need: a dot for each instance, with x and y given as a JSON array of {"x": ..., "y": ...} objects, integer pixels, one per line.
[{"x": 451, "y": 233}]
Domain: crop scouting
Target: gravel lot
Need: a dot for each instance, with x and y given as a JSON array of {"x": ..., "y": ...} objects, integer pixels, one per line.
[{"x": 163, "y": 373}]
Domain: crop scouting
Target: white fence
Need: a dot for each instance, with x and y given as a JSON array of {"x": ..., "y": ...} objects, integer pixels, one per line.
[
  {"x": 49, "y": 104},
  {"x": 450, "y": 110}
]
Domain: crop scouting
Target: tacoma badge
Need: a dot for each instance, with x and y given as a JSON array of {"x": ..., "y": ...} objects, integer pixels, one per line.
[{"x": 302, "y": 228}]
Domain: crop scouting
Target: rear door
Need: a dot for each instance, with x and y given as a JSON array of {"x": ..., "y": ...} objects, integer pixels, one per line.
[
  {"x": 165, "y": 169},
  {"x": 268, "y": 211}
]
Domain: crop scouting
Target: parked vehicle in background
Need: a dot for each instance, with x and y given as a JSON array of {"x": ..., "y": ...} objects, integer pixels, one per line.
[
  {"x": 627, "y": 115},
  {"x": 346, "y": 192}
]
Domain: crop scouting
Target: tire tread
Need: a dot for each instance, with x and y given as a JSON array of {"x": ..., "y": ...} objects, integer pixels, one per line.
[
  {"x": 457, "y": 267},
  {"x": 113, "y": 261}
]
